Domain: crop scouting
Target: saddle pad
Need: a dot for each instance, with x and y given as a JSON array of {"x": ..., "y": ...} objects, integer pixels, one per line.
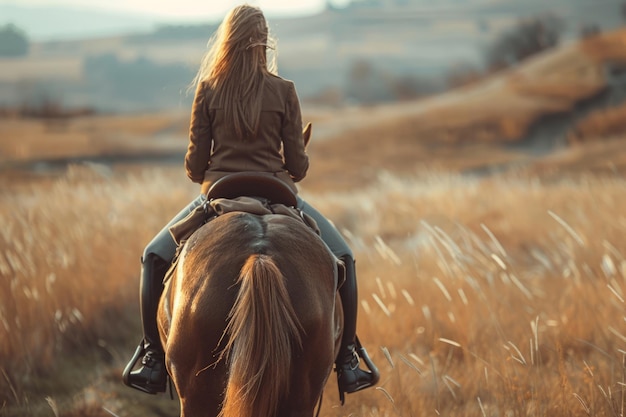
[{"x": 184, "y": 228}]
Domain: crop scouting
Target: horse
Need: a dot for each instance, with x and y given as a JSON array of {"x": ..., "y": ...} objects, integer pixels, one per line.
[{"x": 251, "y": 319}]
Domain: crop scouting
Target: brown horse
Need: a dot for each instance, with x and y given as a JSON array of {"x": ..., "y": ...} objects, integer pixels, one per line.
[{"x": 251, "y": 321}]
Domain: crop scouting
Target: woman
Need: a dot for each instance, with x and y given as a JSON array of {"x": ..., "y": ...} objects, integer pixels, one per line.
[{"x": 242, "y": 115}]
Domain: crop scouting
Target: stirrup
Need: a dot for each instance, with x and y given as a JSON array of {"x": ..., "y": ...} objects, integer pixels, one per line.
[
  {"x": 368, "y": 362},
  {"x": 360, "y": 353},
  {"x": 141, "y": 352}
]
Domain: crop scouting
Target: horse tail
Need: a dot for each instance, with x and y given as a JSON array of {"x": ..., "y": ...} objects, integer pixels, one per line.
[{"x": 263, "y": 331}]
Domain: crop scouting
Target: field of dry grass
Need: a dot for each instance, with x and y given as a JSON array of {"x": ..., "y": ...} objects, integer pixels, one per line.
[
  {"x": 484, "y": 292},
  {"x": 479, "y": 296}
]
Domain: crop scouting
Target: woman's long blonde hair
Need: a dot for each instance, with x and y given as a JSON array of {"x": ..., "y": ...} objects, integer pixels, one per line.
[{"x": 235, "y": 67}]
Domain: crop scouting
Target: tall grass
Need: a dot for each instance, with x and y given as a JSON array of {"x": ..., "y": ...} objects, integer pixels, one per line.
[
  {"x": 490, "y": 297},
  {"x": 69, "y": 266},
  {"x": 499, "y": 296}
]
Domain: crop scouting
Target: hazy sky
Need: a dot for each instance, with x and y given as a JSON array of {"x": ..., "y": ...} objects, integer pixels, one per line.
[{"x": 186, "y": 9}]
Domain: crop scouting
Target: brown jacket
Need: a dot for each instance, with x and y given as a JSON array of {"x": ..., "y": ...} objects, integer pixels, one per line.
[{"x": 214, "y": 151}]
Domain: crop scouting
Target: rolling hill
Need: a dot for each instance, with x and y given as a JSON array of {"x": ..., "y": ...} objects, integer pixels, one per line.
[
  {"x": 397, "y": 42},
  {"x": 479, "y": 128}
]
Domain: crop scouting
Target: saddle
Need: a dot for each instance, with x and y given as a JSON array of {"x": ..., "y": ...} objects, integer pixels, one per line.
[
  {"x": 253, "y": 184},
  {"x": 250, "y": 192}
]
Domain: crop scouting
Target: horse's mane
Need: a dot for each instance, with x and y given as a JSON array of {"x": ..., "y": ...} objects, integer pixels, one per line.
[{"x": 263, "y": 331}]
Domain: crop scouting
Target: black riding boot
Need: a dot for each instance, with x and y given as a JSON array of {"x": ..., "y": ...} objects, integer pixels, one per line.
[
  {"x": 152, "y": 376},
  {"x": 350, "y": 377}
]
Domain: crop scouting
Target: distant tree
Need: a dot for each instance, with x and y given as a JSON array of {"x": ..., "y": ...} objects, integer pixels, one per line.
[
  {"x": 13, "y": 41},
  {"x": 368, "y": 84},
  {"x": 461, "y": 74},
  {"x": 589, "y": 30},
  {"x": 528, "y": 37},
  {"x": 409, "y": 86},
  {"x": 363, "y": 82}
]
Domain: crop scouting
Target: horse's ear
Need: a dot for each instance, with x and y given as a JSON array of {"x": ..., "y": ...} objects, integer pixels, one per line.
[{"x": 306, "y": 133}]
